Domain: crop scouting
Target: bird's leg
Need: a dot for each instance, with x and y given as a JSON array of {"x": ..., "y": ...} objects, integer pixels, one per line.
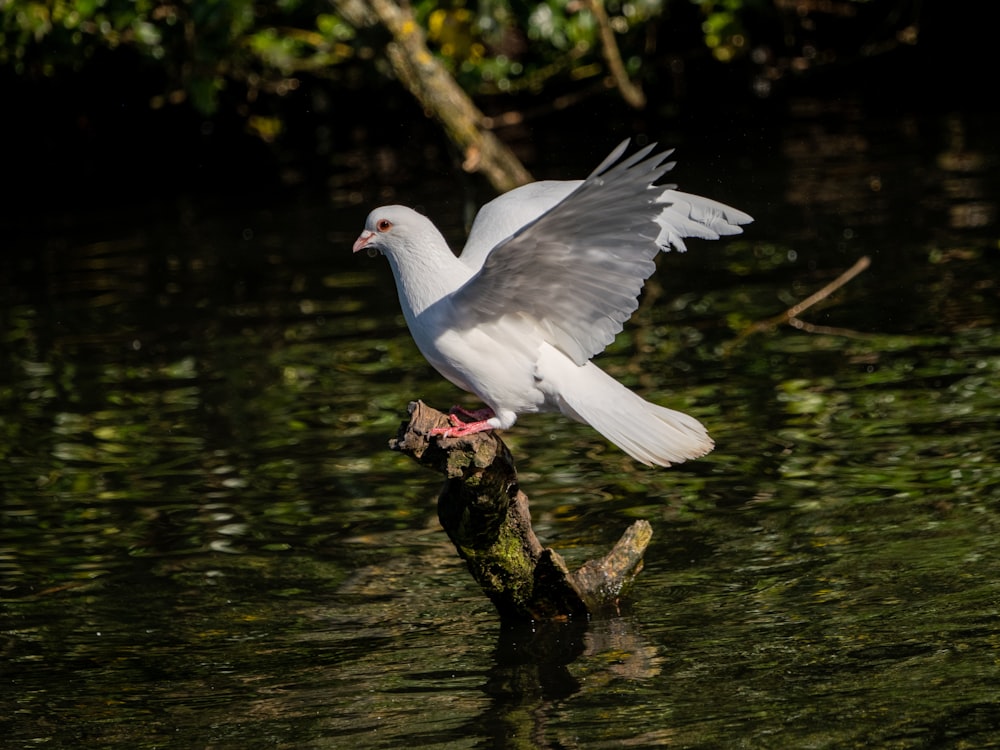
[
  {"x": 478, "y": 415},
  {"x": 480, "y": 422}
]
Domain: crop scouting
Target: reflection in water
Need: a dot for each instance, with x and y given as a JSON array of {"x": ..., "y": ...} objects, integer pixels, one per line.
[
  {"x": 840, "y": 161},
  {"x": 532, "y": 678},
  {"x": 964, "y": 185},
  {"x": 204, "y": 541}
]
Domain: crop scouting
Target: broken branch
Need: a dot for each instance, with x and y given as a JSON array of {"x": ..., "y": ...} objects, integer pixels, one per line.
[{"x": 485, "y": 514}]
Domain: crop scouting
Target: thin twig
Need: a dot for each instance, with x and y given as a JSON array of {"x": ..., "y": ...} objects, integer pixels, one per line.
[
  {"x": 795, "y": 310},
  {"x": 791, "y": 315},
  {"x": 631, "y": 93},
  {"x": 546, "y": 107},
  {"x": 849, "y": 333}
]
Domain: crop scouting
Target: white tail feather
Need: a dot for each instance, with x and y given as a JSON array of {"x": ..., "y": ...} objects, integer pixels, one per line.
[{"x": 649, "y": 433}]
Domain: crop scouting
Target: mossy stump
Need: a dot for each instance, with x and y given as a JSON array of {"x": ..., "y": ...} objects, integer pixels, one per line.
[{"x": 485, "y": 514}]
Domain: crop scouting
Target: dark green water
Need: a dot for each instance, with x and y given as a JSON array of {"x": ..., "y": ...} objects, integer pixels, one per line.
[{"x": 206, "y": 543}]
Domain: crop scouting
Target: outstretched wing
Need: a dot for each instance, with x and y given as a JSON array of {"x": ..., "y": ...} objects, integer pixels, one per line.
[
  {"x": 576, "y": 271},
  {"x": 506, "y": 214}
]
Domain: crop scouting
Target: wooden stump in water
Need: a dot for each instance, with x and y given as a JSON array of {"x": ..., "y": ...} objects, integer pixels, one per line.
[{"x": 486, "y": 516}]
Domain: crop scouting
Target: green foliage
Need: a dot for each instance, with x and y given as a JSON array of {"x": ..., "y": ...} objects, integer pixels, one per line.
[
  {"x": 201, "y": 46},
  {"x": 723, "y": 27},
  {"x": 238, "y": 54},
  {"x": 70, "y": 32},
  {"x": 503, "y": 46},
  {"x": 259, "y": 48}
]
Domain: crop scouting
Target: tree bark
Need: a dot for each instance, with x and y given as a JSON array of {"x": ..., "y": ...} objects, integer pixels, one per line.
[
  {"x": 441, "y": 96},
  {"x": 485, "y": 514}
]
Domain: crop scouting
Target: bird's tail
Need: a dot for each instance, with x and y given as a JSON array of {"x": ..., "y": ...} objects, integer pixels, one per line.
[{"x": 649, "y": 433}]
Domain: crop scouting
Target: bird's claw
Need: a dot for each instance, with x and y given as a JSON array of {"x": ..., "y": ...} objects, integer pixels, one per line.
[{"x": 459, "y": 428}]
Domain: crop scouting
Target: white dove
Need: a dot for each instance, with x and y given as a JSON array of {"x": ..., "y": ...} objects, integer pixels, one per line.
[{"x": 549, "y": 274}]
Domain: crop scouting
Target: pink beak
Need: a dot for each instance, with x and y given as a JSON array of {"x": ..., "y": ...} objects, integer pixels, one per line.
[{"x": 362, "y": 242}]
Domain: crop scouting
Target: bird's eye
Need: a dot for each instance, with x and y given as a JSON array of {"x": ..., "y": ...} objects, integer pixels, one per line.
[{"x": 383, "y": 225}]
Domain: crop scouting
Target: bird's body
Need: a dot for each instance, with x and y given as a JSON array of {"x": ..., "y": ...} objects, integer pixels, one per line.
[{"x": 548, "y": 276}]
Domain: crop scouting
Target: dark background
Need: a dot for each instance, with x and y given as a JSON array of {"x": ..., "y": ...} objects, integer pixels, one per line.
[{"x": 88, "y": 136}]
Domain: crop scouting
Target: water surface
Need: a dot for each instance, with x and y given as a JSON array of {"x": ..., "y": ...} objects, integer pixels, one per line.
[{"x": 206, "y": 543}]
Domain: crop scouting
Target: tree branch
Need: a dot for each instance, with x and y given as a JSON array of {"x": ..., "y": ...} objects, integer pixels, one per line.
[
  {"x": 631, "y": 93},
  {"x": 439, "y": 93},
  {"x": 791, "y": 315},
  {"x": 485, "y": 514}
]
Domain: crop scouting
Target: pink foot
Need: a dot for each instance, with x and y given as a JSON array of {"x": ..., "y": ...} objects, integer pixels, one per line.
[{"x": 459, "y": 428}]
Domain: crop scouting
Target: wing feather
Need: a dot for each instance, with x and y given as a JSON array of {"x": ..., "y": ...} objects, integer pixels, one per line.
[{"x": 576, "y": 271}]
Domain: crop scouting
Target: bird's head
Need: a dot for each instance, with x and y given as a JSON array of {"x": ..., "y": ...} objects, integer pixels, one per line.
[
  {"x": 390, "y": 229},
  {"x": 423, "y": 266}
]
